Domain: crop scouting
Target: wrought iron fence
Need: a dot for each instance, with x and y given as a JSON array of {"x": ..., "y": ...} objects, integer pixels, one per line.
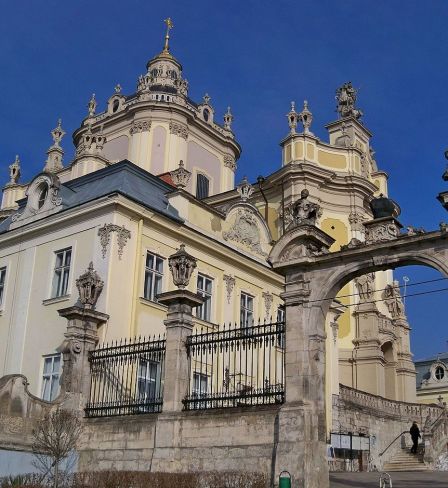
[
  {"x": 127, "y": 378},
  {"x": 235, "y": 367}
]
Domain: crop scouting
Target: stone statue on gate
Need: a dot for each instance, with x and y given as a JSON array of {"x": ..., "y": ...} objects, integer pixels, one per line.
[
  {"x": 365, "y": 287},
  {"x": 393, "y": 300},
  {"x": 346, "y": 99},
  {"x": 304, "y": 212}
]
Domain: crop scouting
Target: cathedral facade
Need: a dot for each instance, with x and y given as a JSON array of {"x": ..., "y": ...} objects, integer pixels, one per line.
[{"x": 155, "y": 170}]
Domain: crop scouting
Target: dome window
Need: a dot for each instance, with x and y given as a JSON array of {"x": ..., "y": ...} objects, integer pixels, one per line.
[
  {"x": 42, "y": 196},
  {"x": 115, "y": 106},
  {"x": 206, "y": 114},
  {"x": 439, "y": 373}
]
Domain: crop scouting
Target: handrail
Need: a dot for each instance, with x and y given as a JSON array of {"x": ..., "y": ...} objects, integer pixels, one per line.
[
  {"x": 437, "y": 419},
  {"x": 396, "y": 438}
]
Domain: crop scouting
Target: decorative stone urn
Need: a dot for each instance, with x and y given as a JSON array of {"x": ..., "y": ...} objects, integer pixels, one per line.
[
  {"x": 181, "y": 265},
  {"x": 89, "y": 286}
]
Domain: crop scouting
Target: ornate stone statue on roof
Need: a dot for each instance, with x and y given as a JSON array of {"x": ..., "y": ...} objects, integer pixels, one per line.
[
  {"x": 303, "y": 211},
  {"x": 346, "y": 100}
]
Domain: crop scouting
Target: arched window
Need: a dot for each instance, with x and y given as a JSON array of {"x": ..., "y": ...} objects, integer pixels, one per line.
[
  {"x": 439, "y": 373},
  {"x": 115, "y": 105},
  {"x": 202, "y": 186},
  {"x": 206, "y": 114},
  {"x": 42, "y": 196}
]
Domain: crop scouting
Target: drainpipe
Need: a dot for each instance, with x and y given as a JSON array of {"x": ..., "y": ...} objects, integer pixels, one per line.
[{"x": 260, "y": 181}]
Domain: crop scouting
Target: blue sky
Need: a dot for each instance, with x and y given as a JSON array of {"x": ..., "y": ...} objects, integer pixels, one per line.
[{"x": 256, "y": 56}]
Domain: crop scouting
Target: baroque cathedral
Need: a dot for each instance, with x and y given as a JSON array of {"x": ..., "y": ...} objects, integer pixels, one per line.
[{"x": 155, "y": 169}]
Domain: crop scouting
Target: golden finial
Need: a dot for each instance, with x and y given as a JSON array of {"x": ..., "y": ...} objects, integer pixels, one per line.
[{"x": 169, "y": 26}]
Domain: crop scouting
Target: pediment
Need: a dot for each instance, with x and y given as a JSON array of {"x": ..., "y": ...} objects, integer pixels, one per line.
[{"x": 303, "y": 241}]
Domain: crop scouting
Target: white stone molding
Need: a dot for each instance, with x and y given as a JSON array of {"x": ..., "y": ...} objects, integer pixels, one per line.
[
  {"x": 179, "y": 129},
  {"x": 230, "y": 284},
  {"x": 139, "y": 126},
  {"x": 123, "y": 235},
  {"x": 268, "y": 299},
  {"x": 43, "y": 199},
  {"x": 229, "y": 162}
]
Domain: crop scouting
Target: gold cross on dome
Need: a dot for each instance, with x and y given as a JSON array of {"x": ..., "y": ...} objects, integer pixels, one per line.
[{"x": 169, "y": 26}]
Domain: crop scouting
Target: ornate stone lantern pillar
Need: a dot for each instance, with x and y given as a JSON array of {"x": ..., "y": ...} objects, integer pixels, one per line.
[
  {"x": 179, "y": 326},
  {"x": 80, "y": 338}
]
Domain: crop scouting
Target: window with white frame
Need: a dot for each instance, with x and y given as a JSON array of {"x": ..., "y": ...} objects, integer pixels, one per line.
[
  {"x": 205, "y": 287},
  {"x": 148, "y": 380},
  {"x": 50, "y": 377},
  {"x": 202, "y": 186},
  {"x": 2, "y": 285},
  {"x": 61, "y": 272},
  {"x": 153, "y": 276},
  {"x": 200, "y": 384},
  {"x": 246, "y": 310}
]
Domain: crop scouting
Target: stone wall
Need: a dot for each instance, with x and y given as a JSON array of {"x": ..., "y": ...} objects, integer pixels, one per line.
[
  {"x": 381, "y": 419},
  {"x": 221, "y": 440},
  {"x": 19, "y": 412}
]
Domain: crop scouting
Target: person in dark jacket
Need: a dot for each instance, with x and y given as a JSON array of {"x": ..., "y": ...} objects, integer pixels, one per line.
[{"x": 415, "y": 434}]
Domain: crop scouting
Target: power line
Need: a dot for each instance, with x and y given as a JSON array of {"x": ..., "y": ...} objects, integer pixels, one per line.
[
  {"x": 380, "y": 289},
  {"x": 409, "y": 295}
]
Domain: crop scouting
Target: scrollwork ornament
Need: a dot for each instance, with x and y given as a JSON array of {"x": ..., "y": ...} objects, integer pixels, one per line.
[
  {"x": 230, "y": 284},
  {"x": 245, "y": 231},
  {"x": 104, "y": 233},
  {"x": 179, "y": 130}
]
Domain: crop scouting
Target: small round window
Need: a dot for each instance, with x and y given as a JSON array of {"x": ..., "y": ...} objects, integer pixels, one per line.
[
  {"x": 42, "y": 196},
  {"x": 439, "y": 373}
]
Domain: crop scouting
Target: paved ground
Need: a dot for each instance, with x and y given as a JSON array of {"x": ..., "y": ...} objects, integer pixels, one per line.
[{"x": 399, "y": 480}]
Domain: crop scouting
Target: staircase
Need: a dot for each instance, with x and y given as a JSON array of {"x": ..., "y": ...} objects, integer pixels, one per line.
[{"x": 404, "y": 460}]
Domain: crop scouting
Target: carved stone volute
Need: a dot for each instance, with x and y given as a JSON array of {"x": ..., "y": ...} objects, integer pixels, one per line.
[
  {"x": 181, "y": 265},
  {"x": 89, "y": 286}
]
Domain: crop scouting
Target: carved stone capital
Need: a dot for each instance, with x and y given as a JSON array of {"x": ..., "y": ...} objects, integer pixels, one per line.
[
  {"x": 140, "y": 126},
  {"x": 179, "y": 129},
  {"x": 229, "y": 162}
]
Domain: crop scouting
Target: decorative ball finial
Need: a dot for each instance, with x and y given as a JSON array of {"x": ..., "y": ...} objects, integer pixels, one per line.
[
  {"x": 57, "y": 134},
  {"x": 293, "y": 117},
  {"x": 306, "y": 117},
  {"x": 14, "y": 171},
  {"x": 92, "y": 106},
  {"x": 245, "y": 189},
  {"x": 169, "y": 26},
  {"x": 228, "y": 119}
]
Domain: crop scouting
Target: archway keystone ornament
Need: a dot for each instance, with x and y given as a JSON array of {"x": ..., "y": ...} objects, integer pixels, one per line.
[{"x": 313, "y": 277}]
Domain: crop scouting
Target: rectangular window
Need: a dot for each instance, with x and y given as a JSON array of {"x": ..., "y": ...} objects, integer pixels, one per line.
[
  {"x": 50, "y": 377},
  {"x": 247, "y": 310},
  {"x": 2, "y": 285},
  {"x": 200, "y": 384},
  {"x": 205, "y": 287},
  {"x": 202, "y": 186},
  {"x": 61, "y": 272},
  {"x": 148, "y": 377},
  {"x": 153, "y": 276}
]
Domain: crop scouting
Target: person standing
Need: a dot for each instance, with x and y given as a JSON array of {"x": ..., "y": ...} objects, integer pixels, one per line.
[{"x": 415, "y": 434}]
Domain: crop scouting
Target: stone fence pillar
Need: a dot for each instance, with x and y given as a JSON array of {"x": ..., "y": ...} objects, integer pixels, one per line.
[
  {"x": 81, "y": 337},
  {"x": 179, "y": 326}
]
